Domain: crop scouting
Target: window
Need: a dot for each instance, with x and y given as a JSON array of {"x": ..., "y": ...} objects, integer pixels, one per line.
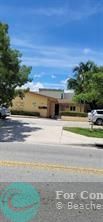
[
  {"x": 100, "y": 112},
  {"x": 62, "y": 96},
  {"x": 72, "y": 108},
  {"x": 64, "y": 107}
]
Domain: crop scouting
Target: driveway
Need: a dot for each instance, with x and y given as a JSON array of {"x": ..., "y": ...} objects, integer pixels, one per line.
[
  {"x": 29, "y": 130},
  {"x": 37, "y": 130}
]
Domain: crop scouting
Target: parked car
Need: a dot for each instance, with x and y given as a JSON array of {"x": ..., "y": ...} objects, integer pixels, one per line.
[
  {"x": 4, "y": 112},
  {"x": 96, "y": 117}
]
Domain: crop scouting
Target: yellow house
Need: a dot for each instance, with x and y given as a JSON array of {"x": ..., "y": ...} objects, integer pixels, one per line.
[
  {"x": 34, "y": 102},
  {"x": 69, "y": 105},
  {"x": 45, "y": 106}
]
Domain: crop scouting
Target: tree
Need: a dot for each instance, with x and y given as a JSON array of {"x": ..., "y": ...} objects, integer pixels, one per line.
[
  {"x": 87, "y": 84},
  {"x": 12, "y": 73}
]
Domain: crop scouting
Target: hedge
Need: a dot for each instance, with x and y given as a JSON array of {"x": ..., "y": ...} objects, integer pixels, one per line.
[
  {"x": 66, "y": 113},
  {"x": 25, "y": 113}
]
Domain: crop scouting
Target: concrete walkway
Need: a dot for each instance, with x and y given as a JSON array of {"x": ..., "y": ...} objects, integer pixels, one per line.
[
  {"x": 56, "y": 135},
  {"x": 76, "y": 139},
  {"x": 42, "y": 131},
  {"x": 47, "y": 134}
]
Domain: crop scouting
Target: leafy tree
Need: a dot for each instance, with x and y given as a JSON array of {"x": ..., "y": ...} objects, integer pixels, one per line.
[
  {"x": 12, "y": 73},
  {"x": 87, "y": 84}
]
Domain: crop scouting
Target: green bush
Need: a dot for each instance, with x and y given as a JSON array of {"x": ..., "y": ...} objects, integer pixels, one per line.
[
  {"x": 67, "y": 113},
  {"x": 25, "y": 113}
]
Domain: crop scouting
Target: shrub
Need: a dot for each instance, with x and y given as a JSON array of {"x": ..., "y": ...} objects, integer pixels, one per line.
[
  {"x": 67, "y": 113},
  {"x": 25, "y": 113}
]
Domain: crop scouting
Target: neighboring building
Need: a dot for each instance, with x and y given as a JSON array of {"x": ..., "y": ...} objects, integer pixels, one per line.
[
  {"x": 68, "y": 94},
  {"x": 55, "y": 93},
  {"x": 34, "y": 102},
  {"x": 65, "y": 100},
  {"x": 69, "y": 105}
]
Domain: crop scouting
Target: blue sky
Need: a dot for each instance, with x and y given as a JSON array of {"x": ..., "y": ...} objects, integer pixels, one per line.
[{"x": 54, "y": 36}]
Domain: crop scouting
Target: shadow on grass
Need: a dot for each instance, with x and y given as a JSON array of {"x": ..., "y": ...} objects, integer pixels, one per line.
[{"x": 15, "y": 130}]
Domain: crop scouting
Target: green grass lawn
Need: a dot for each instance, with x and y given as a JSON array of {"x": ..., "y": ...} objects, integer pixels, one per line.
[{"x": 98, "y": 133}]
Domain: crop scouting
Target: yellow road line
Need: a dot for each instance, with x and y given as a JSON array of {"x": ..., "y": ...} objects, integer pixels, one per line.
[{"x": 47, "y": 166}]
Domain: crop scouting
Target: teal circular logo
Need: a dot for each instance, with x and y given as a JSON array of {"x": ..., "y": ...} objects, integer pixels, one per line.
[{"x": 19, "y": 202}]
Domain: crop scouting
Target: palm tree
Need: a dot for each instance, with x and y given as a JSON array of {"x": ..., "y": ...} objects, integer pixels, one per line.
[{"x": 78, "y": 81}]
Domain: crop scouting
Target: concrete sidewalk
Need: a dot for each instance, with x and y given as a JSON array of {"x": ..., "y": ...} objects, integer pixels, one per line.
[
  {"x": 47, "y": 134},
  {"x": 42, "y": 131},
  {"x": 73, "y": 138},
  {"x": 56, "y": 135}
]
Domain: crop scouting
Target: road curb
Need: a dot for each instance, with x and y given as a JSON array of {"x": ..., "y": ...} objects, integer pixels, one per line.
[{"x": 99, "y": 146}]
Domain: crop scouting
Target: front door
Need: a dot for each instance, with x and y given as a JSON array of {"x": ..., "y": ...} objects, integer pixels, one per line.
[{"x": 56, "y": 109}]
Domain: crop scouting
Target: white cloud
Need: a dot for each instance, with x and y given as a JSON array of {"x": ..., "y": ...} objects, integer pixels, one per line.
[
  {"x": 62, "y": 12},
  {"x": 53, "y": 76},
  {"x": 33, "y": 86},
  {"x": 48, "y": 11},
  {"x": 87, "y": 51},
  {"x": 55, "y": 56},
  {"x": 85, "y": 11},
  {"x": 64, "y": 81},
  {"x": 48, "y": 62},
  {"x": 36, "y": 75},
  {"x": 54, "y": 85},
  {"x": 21, "y": 43},
  {"x": 44, "y": 56}
]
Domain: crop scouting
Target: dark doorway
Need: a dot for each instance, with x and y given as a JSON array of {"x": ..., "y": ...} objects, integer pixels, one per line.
[{"x": 56, "y": 109}]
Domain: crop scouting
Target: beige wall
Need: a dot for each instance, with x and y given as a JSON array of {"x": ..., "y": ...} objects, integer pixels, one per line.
[
  {"x": 51, "y": 108},
  {"x": 67, "y": 107},
  {"x": 31, "y": 102},
  {"x": 80, "y": 108}
]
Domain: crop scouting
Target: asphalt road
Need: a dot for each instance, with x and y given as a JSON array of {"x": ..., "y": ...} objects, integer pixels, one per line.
[
  {"x": 42, "y": 163},
  {"x": 53, "y": 168}
]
